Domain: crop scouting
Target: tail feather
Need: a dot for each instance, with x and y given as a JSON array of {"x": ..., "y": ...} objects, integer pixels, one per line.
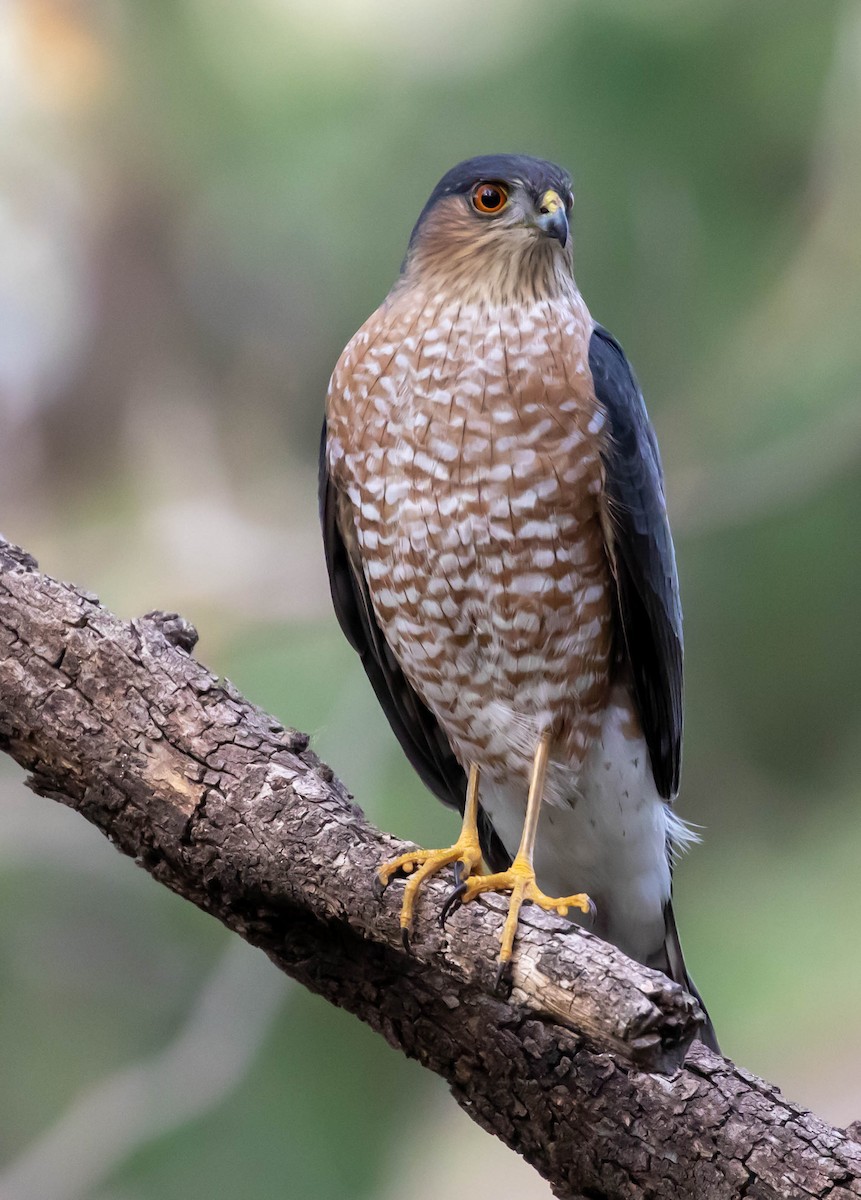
[
  {"x": 671, "y": 961},
  {"x": 668, "y": 958}
]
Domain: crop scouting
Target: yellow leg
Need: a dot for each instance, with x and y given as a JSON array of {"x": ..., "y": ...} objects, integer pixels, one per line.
[
  {"x": 465, "y": 850},
  {"x": 519, "y": 879}
]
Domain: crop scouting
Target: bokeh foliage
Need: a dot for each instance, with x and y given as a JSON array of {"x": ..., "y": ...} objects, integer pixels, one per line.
[{"x": 200, "y": 202}]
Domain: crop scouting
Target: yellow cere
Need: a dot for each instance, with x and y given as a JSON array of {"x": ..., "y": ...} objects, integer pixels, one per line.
[{"x": 551, "y": 201}]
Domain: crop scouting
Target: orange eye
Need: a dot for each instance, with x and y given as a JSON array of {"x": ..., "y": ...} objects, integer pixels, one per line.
[{"x": 489, "y": 197}]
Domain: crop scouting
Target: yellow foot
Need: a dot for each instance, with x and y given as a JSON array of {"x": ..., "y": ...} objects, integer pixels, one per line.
[
  {"x": 465, "y": 854},
  {"x": 519, "y": 879}
]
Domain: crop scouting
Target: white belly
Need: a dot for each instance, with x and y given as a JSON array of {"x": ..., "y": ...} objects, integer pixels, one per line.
[{"x": 610, "y": 841}]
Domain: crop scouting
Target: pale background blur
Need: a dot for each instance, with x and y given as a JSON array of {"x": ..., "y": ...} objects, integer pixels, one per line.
[{"x": 200, "y": 200}]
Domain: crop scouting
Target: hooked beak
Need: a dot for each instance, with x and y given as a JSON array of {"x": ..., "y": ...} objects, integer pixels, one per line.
[{"x": 552, "y": 218}]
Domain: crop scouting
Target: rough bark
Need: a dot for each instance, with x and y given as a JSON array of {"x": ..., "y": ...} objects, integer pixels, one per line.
[{"x": 579, "y": 1069}]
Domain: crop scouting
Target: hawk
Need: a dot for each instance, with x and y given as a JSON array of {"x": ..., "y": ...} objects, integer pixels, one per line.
[{"x": 499, "y": 556}]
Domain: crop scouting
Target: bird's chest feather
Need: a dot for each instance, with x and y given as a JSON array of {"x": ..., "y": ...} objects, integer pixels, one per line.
[{"x": 468, "y": 441}]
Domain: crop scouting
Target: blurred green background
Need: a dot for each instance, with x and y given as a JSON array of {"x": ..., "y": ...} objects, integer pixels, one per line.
[{"x": 200, "y": 200}]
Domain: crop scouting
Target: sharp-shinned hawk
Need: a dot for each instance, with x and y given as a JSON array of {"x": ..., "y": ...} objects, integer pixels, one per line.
[{"x": 499, "y": 556}]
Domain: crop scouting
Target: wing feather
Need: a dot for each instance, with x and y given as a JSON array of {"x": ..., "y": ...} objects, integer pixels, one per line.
[{"x": 640, "y": 550}]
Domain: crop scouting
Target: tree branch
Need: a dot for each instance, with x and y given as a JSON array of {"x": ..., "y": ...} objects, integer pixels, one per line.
[{"x": 579, "y": 1070}]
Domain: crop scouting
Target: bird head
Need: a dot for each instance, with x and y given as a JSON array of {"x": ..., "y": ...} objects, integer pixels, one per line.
[{"x": 497, "y": 227}]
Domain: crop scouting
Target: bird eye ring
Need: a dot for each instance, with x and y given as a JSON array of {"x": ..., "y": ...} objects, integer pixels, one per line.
[{"x": 489, "y": 197}]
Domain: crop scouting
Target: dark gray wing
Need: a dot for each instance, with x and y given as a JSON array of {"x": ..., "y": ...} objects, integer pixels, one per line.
[
  {"x": 640, "y": 548},
  {"x": 412, "y": 722}
]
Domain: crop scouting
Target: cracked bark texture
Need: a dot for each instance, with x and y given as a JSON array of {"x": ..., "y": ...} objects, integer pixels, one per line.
[{"x": 581, "y": 1069}]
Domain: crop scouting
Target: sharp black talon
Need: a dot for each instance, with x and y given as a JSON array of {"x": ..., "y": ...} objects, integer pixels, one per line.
[
  {"x": 593, "y": 911},
  {"x": 380, "y": 886},
  {"x": 405, "y": 938},
  {"x": 452, "y": 903},
  {"x": 458, "y": 873},
  {"x": 503, "y": 976}
]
